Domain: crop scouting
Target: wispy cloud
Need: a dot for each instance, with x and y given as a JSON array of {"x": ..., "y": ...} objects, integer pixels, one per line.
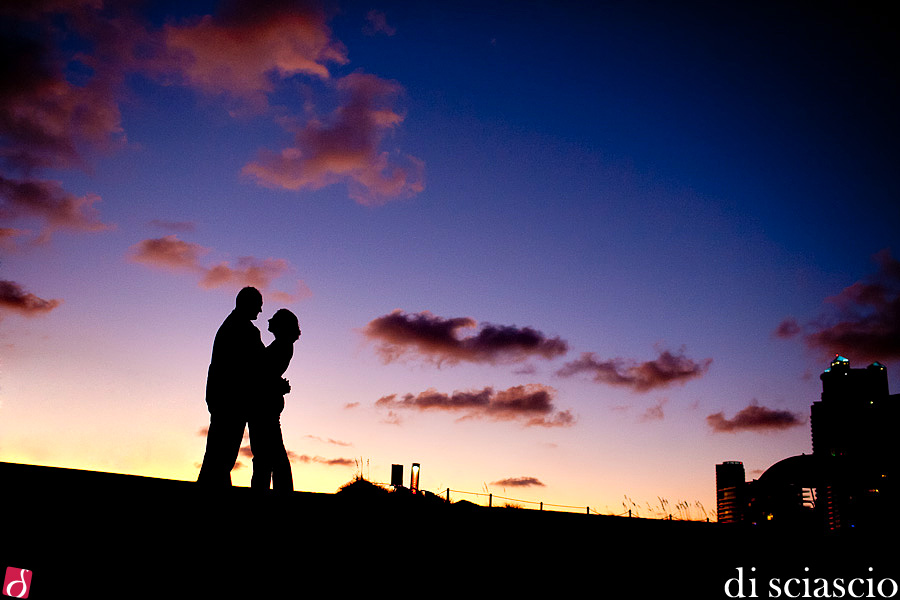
[
  {"x": 669, "y": 368},
  {"x": 519, "y": 482},
  {"x": 328, "y": 440},
  {"x": 532, "y": 405},
  {"x": 173, "y": 254},
  {"x": 330, "y": 462},
  {"x": 655, "y": 412},
  {"x": 862, "y": 321},
  {"x": 439, "y": 340},
  {"x": 247, "y": 452},
  {"x": 754, "y": 418},
  {"x": 14, "y": 299},
  {"x": 376, "y": 22},
  {"x": 174, "y": 226}
]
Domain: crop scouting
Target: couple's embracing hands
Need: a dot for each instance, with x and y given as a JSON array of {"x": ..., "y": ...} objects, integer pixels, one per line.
[{"x": 284, "y": 386}]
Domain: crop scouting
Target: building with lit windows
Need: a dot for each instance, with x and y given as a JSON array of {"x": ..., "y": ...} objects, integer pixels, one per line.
[
  {"x": 730, "y": 482},
  {"x": 850, "y": 479}
]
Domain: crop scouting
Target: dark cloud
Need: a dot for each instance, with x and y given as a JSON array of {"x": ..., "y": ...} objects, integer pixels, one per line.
[
  {"x": 439, "y": 340},
  {"x": 58, "y": 108},
  {"x": 519, "y": 482},
  {"x": 665, "y": 370},
  {"x": 862, "y": 321},
  {"x": 46, "y": 120},
  {"x": 532, "y": 405},
  {"x": 754, "y": 418},
  {"x": 787, "y": 329},
  {"x": 15, "y": 299},
  {"x": 376, "y": 22},
  {"x": 50, "y": 205},
  {"x": 173, "y": 254}
]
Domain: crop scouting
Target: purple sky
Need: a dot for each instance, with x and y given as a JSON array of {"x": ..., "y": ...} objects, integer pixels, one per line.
[{"x": 562, "y": 254}]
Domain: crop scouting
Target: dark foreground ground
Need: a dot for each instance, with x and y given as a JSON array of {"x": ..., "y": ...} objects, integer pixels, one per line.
[{"x": 87, "y": 534}]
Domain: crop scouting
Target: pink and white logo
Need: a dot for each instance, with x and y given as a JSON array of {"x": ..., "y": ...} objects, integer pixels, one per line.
[{"x": 17, "y": 582}]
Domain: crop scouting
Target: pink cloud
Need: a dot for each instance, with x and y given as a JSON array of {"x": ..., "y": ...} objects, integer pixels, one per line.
[
  {"x": 61, "y": 106},
  {"x": 171, "y": 253},
  {"x": 243, "y": 49},
  {"x": 346, "y": 147}
]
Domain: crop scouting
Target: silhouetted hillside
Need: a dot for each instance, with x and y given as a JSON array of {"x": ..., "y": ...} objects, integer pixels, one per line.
[{"x": 91, "y": 534}]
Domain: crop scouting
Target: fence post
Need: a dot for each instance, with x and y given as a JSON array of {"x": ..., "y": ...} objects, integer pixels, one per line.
[
  {"x": 542, "y": 506},
  {"x": 588, "y": 510},
  {"x": 448, "y": 495},
  {"x": 490, "y": 500}
]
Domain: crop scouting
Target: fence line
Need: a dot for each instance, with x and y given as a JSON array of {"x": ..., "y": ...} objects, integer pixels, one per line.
[
  {"x": 542, "y": 505},
  {"x": 567, "y": 508}
]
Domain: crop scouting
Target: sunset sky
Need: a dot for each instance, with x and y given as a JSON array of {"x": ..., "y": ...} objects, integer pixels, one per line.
[{"x": 563, "y": 254}]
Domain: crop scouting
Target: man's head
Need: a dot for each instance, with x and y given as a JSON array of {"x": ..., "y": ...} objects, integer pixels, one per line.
[{"x": 249, "y": 303}]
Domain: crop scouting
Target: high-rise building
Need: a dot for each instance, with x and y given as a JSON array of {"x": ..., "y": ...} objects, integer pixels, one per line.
[
  {"x": 849, "y": 481},
  {"x": 853, "y": 436}
]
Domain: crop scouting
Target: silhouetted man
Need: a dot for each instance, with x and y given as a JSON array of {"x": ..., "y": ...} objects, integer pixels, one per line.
[{"x": 234, "y": 378}]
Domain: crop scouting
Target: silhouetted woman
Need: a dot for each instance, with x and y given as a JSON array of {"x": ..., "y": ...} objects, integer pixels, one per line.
[{"x": 270, "y": 461}]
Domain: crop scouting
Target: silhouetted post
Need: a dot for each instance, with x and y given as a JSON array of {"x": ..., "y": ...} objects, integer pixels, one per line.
[
  {"x": 414, "y": 478},
  {"x": 542, "y": 506},
  {"x": 588, "y": 510},
  {"x": 448, "y": 495},
  {"x": 629, "y": 513},
  {"x": 490, "y": 500}
]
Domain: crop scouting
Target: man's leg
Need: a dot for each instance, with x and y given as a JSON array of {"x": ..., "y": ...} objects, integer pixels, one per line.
[{"x": 223, "y": 442}]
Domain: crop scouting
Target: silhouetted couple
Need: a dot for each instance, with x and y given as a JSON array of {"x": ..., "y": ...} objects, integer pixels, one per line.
[{"x": 245, "y": 387}]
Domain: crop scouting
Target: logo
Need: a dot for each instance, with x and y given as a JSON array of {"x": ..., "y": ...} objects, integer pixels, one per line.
[{"x": 17, "y": 582}]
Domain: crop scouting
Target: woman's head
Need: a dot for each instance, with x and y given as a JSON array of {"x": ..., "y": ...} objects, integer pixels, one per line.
[{"x": 284, "y": 324}]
